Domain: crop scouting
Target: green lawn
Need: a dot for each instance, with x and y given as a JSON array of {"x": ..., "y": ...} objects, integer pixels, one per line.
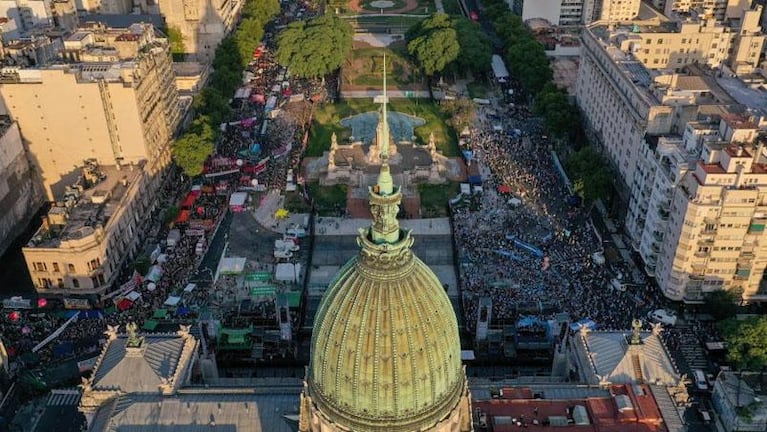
[
  {"x": 434, "y": 198},
  {"x": 327, "y": 118},
  {"x": 294, "y": 203},
  {"x": 364, "y": 67},
  {"x": 328, "y": 199}
]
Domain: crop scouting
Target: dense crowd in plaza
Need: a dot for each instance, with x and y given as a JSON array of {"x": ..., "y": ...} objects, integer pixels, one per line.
[{"x": 525, "y": 240}]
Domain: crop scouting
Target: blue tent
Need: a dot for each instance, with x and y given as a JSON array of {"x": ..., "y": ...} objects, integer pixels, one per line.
[
  {"x": 182, "y": 311},
  {"x": 63, "y": 349},
  {"x": 90, "y": 314}
]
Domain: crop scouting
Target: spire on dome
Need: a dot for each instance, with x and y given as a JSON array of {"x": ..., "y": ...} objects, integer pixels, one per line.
[
  {"x": 385, "y": 183},
  {"x": 384, "y": 196}
]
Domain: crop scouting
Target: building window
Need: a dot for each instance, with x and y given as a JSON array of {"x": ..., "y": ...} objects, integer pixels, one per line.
[
  {"x": 71, "y": 268},
  {"x": 94, "y": 282},
  {"x": 40, "y": 266},
  {"x": 75, "y": 283},
  {"x": 56, "y": 267},
  {"x": 101, "y": 279},
  {"x": 60, "y": 283},
  {"x": 94, "y": 264}
]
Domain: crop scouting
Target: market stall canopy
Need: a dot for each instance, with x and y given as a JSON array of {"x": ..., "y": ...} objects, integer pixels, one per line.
[
  {"x": 133, "y": 296},
  {"x": 172, "y": 301},
  {"x": 155, "y": 273},
  {"x": 190, "y": 287},
  {"x": 150, "y": 325},
  {"x": 288, "y": 272},
  {"x": 124, "y": 304},
  {"x": 232, "y": 265},
  {"x": 160, "y": 313}
]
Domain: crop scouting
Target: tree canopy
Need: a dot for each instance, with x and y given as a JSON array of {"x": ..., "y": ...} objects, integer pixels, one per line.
[
  {"x": 262, "y": 10},
  {"x": 475, "y": 49},
  {"x": 552, "y": 104},
  {"x": 746, "y": 342},
  {"x": 176, "y": 40},
  {"x": 591, "y": 178},
  {"x": 434, "y": 43},
  {"x": 314, "y": 48}
]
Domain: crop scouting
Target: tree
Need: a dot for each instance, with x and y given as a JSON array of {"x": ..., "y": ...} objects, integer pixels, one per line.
[
  {"x": 591, "y": 178},
  {"x": 176, "y": 40},
  {"x": 460, "y": 112},
  {"x": 262, "y": 10},
  {"x": 475, "y": 49},
  {"x": 248, "y": 37},
  {"x": 529, "y": 64},
  {"x": 721, "y": 304},
  {"x": 746, "y": 342},
  {"x": 190, "y": 152},
  {"x": 434, "y": 43},
  {"x": 552, "y": 104},
  {"x": 316, "y": 47}
]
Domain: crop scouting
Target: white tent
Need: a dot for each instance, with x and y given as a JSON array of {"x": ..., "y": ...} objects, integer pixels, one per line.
[
  {"x": 155, "y": 273},
  {"x": 242, "y": 93},
  {"x": 499, "y": 68},
  {"x": 172, "y": 301},
  {"x": 133, "y": 296},
  {"x": 162, "y": 259},
  {"x": 190, "y": 287},
  {"x": 232, "y": 265},
  {"x": 288, "y": 272},
  {"x": 238, "y": 199},
  {"x": 151, "y": 286}
]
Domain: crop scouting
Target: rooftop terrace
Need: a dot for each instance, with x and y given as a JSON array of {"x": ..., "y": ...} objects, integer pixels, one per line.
[{"x": 86, "y": 207}]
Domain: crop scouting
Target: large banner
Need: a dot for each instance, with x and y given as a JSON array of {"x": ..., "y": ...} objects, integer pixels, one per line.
[
  {"x": 17, "y": 303},
  {"x": 78, "y": 304}
]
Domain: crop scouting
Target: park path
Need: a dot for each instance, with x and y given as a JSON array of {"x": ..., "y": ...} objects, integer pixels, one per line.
[{"x": 440, "y": 7}]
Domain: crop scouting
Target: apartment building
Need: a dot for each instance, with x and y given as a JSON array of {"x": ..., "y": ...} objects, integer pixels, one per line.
[
  {"x": 24, "y": 16},
  {"x": 202, "y": 23},
  {"x": 672, "y": 45},
  {"x": 659, "y": 129},
  {"x": 92, "y": 231},
  {"x": 719, "y": 9},
  {"x": 576, "y": 12},
  {"x": 21, "y": 193},
  {"x": 115, "y": 102}
]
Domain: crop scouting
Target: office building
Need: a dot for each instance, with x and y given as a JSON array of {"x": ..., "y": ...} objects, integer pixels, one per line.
[
  {"x": 116, "y": 103},
  {"x": 87, "y": 236},
  {"x": 576, "y": 12},
  {"x": 672, "y": 136},
  {"x": 24, "y": 16},
  {"x": 21, "y": 193},
  {"x": 739, "y": 401},
  {"x": 718, "y": 9},
  {"x": 202, "y": 23}
]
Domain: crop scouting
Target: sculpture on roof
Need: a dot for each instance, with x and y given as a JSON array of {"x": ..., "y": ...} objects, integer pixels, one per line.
[
  {"x": 636, "y": 332},
  {"x": 134, "y": 340}
]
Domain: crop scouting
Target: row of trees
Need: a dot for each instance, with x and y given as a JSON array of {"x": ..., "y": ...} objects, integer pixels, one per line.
[
  {"x": 443, "y": 43},
  {"x": 211, "y": 105}
]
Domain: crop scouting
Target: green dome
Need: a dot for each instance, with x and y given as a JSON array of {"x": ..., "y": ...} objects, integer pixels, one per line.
[{"x": 385, "y": 352}]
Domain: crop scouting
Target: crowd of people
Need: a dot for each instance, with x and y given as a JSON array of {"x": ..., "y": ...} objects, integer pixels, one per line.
[{"x": 526, "y": 239}]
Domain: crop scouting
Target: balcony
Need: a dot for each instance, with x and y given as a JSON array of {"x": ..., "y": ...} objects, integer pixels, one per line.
[
  {"x": 697, "y": 277},
  {"x": 656, "y": 247},
  {"x": 702, "y": 254},
  {"x": 658, "y": 236},
  {"x": 663, "y": 214},
  {"x": 706, "y": 241}
]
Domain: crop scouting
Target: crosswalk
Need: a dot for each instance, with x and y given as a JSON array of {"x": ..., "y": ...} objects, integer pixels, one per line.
[{"x": 692, "y": 352}]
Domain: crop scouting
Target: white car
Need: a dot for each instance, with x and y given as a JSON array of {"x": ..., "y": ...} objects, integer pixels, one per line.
[
  {"x": 662, "y": 316},
  {"x": 296, "y": 231},
  {"x": 286, "y": 245},
  {"x": 283, "y": 254}
]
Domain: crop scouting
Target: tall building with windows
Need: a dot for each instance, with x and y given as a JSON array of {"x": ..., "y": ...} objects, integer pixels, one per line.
[
  {"x": 202, "y": 23},
  {"x": 115, "y": 102},
  {"x": 576, "y": 12},
  {"x": 92, "y": 231},
  {"x": 21, "y": 193},
  {"x": 673, "y": 135}
]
